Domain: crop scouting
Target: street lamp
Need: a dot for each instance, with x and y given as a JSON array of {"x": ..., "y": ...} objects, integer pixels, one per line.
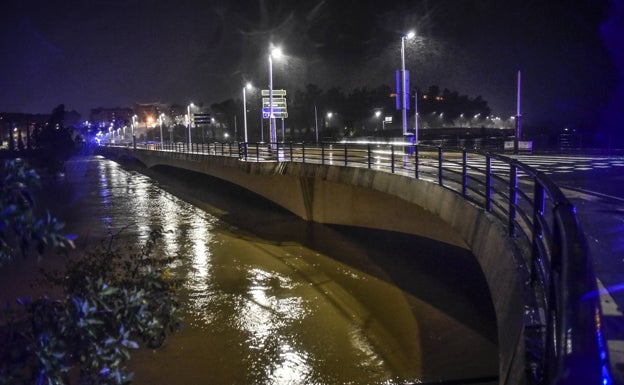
[
  {"x": 518, "y": 133},
  {"x": 328, "y": 118},
  {"x": 416, "y": 117},
  {"x": 277, "y": 53},
  {"x": 403, "y": 90},
  {"x": 248, "y": 86},
  {"x": 188, "y": 115},
  {"x": 161, "y": 117},
  {"x": 134, "y": 123}
]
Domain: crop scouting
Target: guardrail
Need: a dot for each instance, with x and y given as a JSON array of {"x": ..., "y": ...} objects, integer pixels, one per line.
[{"x": 563, "y": 337}]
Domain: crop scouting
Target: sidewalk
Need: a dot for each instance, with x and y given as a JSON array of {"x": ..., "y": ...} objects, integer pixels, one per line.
[{"x": 599, "y": 199}]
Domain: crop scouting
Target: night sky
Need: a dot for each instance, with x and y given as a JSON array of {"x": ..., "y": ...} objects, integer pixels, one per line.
[{"x": 89, "y": 54}]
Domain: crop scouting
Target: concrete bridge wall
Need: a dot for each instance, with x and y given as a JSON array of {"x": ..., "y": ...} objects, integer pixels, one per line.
[{"x": 367, "y": 198}]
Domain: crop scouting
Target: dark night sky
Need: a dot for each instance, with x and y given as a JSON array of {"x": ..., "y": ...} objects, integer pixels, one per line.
[{"x": 89, "y": 54}]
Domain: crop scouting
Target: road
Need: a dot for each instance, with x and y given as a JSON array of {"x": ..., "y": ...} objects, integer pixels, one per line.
[{"x": 595, "y": 185}]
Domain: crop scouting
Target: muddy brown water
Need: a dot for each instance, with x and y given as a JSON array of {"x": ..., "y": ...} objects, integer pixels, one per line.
[{"x": 271, "y": 299}]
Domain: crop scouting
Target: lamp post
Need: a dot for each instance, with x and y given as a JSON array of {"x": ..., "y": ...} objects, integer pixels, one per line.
[
  {"x": 403, "y": 90},
  {"x": 247, "y": 87},
  {"x": 415, "y": 117},
  {"x": 134, "y": 123},
  {"x": 275, "y": 52},
  {"x": 518, "y": 134},
  {"x": 316, "y": 123},
  {"x": 188, "y": 115},
  {"x": 160, "y": 119}
]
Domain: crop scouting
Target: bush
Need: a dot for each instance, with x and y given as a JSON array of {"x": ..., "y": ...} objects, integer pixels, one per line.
[
  {"x": 111, "y": 299},
  {"x": 20, "y": 229}
]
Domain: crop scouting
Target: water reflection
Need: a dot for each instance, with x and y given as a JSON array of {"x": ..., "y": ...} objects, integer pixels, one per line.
[{"x": 257, "y": 311}]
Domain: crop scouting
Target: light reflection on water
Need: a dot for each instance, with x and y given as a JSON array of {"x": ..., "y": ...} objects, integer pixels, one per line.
[{"x": 261, "y": 312}]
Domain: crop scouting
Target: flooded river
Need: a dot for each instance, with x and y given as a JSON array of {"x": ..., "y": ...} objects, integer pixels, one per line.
[{"x": 270, "y": 299}]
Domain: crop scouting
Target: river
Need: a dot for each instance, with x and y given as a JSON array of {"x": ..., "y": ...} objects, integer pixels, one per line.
[{"x": 268, "y": 298}]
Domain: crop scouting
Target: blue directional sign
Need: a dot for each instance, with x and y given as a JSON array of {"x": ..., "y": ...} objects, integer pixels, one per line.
[
  {"x": 402, "y": 91},
  {"x": 278, "y": 112}
]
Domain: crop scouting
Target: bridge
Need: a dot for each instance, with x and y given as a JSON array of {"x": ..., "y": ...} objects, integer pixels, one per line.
[{"x": 518, "y": 224}]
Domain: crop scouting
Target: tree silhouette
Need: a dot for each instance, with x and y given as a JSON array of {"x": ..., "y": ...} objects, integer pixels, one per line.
[{"x": 54, "y": 141}]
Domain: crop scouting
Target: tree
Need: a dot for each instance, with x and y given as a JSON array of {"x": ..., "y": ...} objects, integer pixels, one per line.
[
  {"x": 224, "y": 113},
  {"x": 54, "y": 141},
  {"x": 20, "y": 141},
  {"x": 11, "y": 141},
  {"x": 21, "y": 232}
]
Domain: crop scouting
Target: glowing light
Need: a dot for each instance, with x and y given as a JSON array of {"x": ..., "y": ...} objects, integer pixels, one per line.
[{"x": 276, "y": 52}]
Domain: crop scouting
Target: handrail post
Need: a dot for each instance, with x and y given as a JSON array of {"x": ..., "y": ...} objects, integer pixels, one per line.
[
  {"x": 345, "y": 154},
  {"x": 392, "y": 158},
  {"x": 464, "y": 172},
  {"x": 257, "y": 152},
  {"x": 440, "y": 176},
  {"x": 303, "y": 152},
  {"x": 291, "y": 151},
  {"x": 416, "y": 161},
  {"x": 322, "y": 153},
  {"x": 488, "y": 182},
  {"x": 368, "y": 155},
  {"x": 513, "y": 198}
]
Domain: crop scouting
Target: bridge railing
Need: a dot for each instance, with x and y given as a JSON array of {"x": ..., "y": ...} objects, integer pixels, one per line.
[{"x": 562, "y": 317}]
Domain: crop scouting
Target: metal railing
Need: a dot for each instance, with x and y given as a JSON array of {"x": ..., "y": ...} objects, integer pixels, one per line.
[{"x": 562, "y": 317}]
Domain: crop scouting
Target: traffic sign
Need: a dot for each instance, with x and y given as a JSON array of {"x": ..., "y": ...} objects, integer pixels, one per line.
[
  {"x": 276, "y": 110},
  {"x": 277, "y": 102},
  {"x": 277, "y": 115},
  {"x": 275, "y": 93},
  {"x": 201, "y": 118}
]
